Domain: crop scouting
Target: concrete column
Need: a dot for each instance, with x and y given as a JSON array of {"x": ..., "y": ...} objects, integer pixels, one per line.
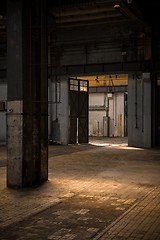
[
  {"x": 139, "y": 110},
  {"x": 27, "y": 108}
]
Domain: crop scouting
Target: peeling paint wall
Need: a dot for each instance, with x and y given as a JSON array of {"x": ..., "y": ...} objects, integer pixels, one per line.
[
  {"x": 139, "y": 110},
  {"x": 58, "y": 112}
]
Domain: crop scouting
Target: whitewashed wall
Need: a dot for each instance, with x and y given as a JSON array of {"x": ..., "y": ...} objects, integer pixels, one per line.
[{"x": 103, "y": 105}]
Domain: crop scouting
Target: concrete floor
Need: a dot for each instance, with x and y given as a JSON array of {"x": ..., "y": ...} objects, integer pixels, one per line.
[{"x": 102, "y": 190}]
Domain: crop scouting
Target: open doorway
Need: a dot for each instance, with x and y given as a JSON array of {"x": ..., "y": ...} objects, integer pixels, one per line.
[{"x": 107, "y": 106}]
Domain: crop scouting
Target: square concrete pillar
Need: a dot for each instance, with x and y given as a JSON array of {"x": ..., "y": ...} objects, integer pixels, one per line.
[{"x": 27, "y": 105}]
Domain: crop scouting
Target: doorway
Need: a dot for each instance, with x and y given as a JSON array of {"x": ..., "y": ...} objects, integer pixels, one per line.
[
  {"x": 108, "y": 115},
  {"x": 78, "y": 111}
]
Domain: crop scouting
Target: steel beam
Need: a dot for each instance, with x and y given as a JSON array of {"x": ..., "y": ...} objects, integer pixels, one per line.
[{"x": 104, "y": 68}]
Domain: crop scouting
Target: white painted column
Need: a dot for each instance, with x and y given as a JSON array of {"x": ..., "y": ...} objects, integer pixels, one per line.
[
  {"x": 139, "y": 110},
  {"x": 60, "y": 110}
]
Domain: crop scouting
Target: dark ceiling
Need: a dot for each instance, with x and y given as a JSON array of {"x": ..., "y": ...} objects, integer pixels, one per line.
[
  {"x": 80, "y": 12},
  {"x": 93, "y": 12},
  {"x": 71, "y": 12}
]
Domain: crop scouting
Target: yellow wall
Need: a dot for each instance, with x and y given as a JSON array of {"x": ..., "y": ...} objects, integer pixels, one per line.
[{"x": 106, "y": 80}]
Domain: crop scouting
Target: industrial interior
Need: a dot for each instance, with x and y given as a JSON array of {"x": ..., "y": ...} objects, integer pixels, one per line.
[
  {"x": 108, "y": 98},
  {"x": 79, "y": 119},
  {"x": 70, "y": 70}
]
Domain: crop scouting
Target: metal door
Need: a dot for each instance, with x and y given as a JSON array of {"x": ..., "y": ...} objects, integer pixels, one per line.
[{"x": 78, "y": 105}]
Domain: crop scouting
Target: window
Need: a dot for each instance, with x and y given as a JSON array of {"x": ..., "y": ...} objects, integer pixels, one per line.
[
  {"x": 83, "y": 86},
  {"x": 73, "y": 85}
]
